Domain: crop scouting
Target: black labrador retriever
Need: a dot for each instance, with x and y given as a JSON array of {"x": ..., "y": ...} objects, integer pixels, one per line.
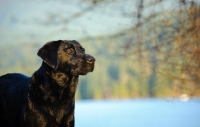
[{"x": 46, "y": 99}]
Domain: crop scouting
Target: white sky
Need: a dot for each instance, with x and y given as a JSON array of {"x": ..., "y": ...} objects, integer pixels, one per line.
[
  {"x": 42, "y": 20},
  {"x": 27, "y": 20}
]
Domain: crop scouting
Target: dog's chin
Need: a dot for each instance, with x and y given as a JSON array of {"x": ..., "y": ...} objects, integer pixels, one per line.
[{"x": 82, "y": 72}]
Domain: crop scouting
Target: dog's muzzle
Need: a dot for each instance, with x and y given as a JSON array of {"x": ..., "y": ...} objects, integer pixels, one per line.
[
  {"x": 90, "y": 59},
  {"x": 90, "y": 63}
]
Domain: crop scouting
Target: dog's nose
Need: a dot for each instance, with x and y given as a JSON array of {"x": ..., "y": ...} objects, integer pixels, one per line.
[{"x": 90, "y": 59}]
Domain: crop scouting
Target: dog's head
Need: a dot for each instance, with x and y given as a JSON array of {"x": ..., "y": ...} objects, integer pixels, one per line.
[{"x": 67, "y": 56}]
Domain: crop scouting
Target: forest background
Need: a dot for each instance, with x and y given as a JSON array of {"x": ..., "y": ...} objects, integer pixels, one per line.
[{"x": 143, "y": 48}]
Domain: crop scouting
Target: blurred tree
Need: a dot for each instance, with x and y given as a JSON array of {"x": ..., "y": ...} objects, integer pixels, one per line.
[{"x": 113, "y": 72}]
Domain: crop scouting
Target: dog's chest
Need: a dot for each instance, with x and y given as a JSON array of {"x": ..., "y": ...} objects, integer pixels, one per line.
[{"x": 48, "y": 115}]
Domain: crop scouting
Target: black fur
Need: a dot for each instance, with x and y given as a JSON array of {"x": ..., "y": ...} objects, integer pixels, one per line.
[{"x": 47, "y": 98}]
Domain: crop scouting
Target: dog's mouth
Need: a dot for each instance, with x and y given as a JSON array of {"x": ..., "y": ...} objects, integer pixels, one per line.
[
  {"x": 90, "y": 69},
  {"x": 83, "y": 70}
]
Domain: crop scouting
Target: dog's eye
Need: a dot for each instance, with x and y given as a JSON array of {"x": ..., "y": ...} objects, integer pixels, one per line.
[
  {"x": 70, "y": 51},
  {"x": 82, "y": 49}
]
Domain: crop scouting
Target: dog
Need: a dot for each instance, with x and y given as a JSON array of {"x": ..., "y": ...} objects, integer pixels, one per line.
[{"x": 47, "y": 98}]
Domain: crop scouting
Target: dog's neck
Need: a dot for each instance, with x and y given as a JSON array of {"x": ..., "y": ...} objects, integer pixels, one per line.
[{"x": 55, "y": 84}]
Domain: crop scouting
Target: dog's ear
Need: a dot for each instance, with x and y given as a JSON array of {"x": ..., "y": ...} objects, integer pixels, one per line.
[{"x": 49, "y": 53}]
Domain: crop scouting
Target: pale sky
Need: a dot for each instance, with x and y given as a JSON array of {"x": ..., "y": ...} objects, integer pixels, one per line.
[{"x": 46, "y": 20}]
